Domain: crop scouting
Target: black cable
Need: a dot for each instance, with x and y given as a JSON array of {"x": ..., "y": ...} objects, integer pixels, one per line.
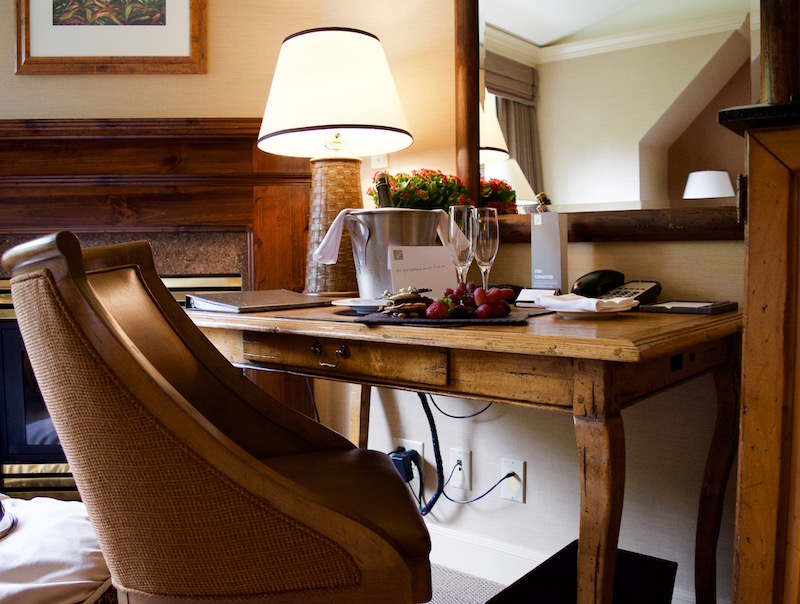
[
  {"x": 437, "y": 455},
  {"x": 463, "y": 501},
  {"x": 458, "y": 416}
]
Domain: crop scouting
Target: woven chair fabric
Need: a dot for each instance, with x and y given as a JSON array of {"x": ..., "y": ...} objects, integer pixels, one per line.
[{"x": 209, "y": 538}]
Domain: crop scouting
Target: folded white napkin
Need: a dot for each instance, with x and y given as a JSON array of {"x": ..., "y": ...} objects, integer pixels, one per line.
[
  {"x": 575, "y": 302},
  {"x": 328, "y": 250}
]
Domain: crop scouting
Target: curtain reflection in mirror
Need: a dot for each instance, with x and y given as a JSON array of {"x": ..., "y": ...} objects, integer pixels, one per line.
[{"x": 514, "y": 86}]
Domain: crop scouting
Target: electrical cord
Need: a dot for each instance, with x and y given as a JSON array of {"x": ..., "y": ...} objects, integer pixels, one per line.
[
  {"x": 474, "y": 499},
  {"x": 424, "y": 510},
  {"x": 437, "y": 455},
  {"x": 439, "y": 409}
]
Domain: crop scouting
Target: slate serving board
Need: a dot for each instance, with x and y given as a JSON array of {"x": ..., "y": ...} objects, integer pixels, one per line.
[{"x": 517, "y": 317}]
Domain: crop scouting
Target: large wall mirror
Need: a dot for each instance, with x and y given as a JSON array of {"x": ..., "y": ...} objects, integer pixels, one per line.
[{"x": 657, "y": 218}]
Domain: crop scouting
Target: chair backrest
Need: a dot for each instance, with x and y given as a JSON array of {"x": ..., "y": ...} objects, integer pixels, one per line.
[
  {"x": 178, "y": 505},
  {"x": 123, "y": 278}
]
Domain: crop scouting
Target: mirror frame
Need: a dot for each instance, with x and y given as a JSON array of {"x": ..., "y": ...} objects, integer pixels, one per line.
[{"x": 689, "y": 224}]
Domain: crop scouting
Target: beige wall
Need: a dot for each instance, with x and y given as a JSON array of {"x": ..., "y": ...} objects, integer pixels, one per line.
[
  {"x": 607, "y": 120},
  {"x": 709, "y": 144}
]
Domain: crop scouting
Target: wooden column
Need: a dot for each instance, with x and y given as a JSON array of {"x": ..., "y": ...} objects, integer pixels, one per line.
[
  {"x": 780, "y": 45},
  {"x": 767, "y": 530},
  {"x": 467, "y": 95}
]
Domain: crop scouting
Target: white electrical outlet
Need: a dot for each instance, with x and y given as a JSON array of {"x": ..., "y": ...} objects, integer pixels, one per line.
[
  {"x": 379, "y": 162},
  {"x": 461, "y": 477},
  {"x": 412, "y": 445},
  {"x": 513, "y": 488}
]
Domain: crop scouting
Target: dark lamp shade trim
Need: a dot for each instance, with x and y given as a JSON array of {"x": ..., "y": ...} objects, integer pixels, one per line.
[
  {"x": 270, "y": 142},
  {"x": 324, "y": 29}
]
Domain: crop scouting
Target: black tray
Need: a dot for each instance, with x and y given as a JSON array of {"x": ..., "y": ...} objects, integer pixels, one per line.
[{"x": 516, "y": 317}]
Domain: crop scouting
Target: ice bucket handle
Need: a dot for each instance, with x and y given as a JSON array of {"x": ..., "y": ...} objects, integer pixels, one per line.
[{"x": 359, "y": 233}]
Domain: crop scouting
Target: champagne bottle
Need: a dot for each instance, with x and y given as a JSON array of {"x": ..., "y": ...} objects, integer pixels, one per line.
[{"x": 382, "y": 187}]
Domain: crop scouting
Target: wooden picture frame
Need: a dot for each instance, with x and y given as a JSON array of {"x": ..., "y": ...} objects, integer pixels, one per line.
[{"x": 55, "y": 54}]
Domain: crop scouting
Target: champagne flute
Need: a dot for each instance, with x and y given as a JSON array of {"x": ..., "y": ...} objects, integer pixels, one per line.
[
  {"x": 487, "y": 240},
  {"x": 461, "y": 233}
]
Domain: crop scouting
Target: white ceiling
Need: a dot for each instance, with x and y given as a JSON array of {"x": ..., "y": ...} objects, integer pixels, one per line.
[{"x": 544, "y": 22}]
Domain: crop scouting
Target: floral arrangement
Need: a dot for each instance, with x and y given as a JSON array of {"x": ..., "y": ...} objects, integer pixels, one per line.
[
  {"x": 431, "y": 189},
  {"x": 424, "y": 189},
  {"x": 498, "y": 194}
]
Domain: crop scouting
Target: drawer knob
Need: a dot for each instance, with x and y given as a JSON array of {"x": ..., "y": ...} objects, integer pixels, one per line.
[{"x": 341, "y": 353}]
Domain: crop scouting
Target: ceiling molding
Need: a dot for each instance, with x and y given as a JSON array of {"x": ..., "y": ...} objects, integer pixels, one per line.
[
  {"x": 511, "y": 47},
  {"x": 529, "y": 54}
]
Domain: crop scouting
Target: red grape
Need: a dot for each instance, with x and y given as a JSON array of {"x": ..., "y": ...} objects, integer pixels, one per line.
[
  {"x": 493, "y": 295},
  {"x": 484, "y": 311},
  {"x": 500, "y": 308}
]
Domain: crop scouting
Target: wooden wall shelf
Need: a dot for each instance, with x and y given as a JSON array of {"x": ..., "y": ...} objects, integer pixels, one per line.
[{"x": 687, "y": 224}]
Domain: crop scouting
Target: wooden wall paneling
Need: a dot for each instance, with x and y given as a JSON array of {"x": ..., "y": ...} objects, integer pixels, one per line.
[
  {"x": 280, "y": 221},
  {"x": 280, "y": 232},
  {"x": 123, "y": 207},
  {"x": 168, "y": 175},
  {"x": 765, "y": 524}
]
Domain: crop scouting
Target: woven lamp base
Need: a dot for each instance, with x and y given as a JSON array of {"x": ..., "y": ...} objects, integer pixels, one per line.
[{"x": 335, "y": 185}]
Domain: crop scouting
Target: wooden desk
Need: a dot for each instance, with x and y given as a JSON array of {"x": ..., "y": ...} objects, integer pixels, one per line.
[{"x": 590, "y": 368}]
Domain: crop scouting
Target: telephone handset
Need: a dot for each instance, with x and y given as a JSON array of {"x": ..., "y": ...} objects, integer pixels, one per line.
[
  {"x": 611, "y": 284},
  {"x": 597, "y": 283}
]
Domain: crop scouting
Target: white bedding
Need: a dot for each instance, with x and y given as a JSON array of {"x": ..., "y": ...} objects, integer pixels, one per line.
[{"x": 52, "y": 557}]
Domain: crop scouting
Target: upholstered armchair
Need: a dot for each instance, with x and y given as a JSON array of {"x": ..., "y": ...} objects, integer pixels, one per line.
[{"x": 201, "y": 487}]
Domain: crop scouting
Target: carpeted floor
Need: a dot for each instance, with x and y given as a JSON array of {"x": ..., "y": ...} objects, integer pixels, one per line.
[{"x": 454, "y": 587}]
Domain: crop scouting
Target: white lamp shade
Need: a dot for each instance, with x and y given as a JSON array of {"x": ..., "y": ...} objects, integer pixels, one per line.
[
  {"x": 333, "y": 95},
  {"x": 493, "y": 147},
  {"x": 510, "y": 172},
  {"x": 708, "y": 184}
]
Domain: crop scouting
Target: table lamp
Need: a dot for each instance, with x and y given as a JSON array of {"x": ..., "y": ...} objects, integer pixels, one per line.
[
  {"x": 333, "y": 100},
  {"x": 708, "y": 184},
  {"x": 493, "y": 147}
]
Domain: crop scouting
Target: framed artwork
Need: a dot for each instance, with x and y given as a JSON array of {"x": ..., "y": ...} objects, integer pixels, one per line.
[{"x": 111, "y": 36}]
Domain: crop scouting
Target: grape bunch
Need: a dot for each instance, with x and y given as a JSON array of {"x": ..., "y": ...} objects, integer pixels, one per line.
[{"x": 470, "y": 301}]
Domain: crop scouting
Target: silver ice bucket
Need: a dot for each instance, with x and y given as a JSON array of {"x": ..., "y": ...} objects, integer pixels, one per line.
[{"x": 372, "y": 232}]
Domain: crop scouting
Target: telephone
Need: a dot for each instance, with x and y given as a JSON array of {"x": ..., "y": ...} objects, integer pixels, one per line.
[{"x": 611, "y": 284}]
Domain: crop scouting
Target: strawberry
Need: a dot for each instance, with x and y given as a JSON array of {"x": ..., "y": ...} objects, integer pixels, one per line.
[{"x": 436, "y": 310}]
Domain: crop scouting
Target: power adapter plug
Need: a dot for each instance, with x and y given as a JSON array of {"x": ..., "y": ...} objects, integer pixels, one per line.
[{"x": 403, "y": 460}]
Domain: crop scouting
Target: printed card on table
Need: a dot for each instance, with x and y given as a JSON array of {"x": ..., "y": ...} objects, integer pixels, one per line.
[
  {"x": 421, "y": 266},
  {"x": 549, "y": 251}
]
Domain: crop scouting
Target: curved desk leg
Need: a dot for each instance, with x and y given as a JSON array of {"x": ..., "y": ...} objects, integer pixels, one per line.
[
  {"x": 718, "y": 468},
  {"x": 601, "y": 446}
]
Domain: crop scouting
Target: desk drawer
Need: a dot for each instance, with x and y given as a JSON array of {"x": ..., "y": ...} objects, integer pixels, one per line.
[{"x": 343, "y": 359}]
